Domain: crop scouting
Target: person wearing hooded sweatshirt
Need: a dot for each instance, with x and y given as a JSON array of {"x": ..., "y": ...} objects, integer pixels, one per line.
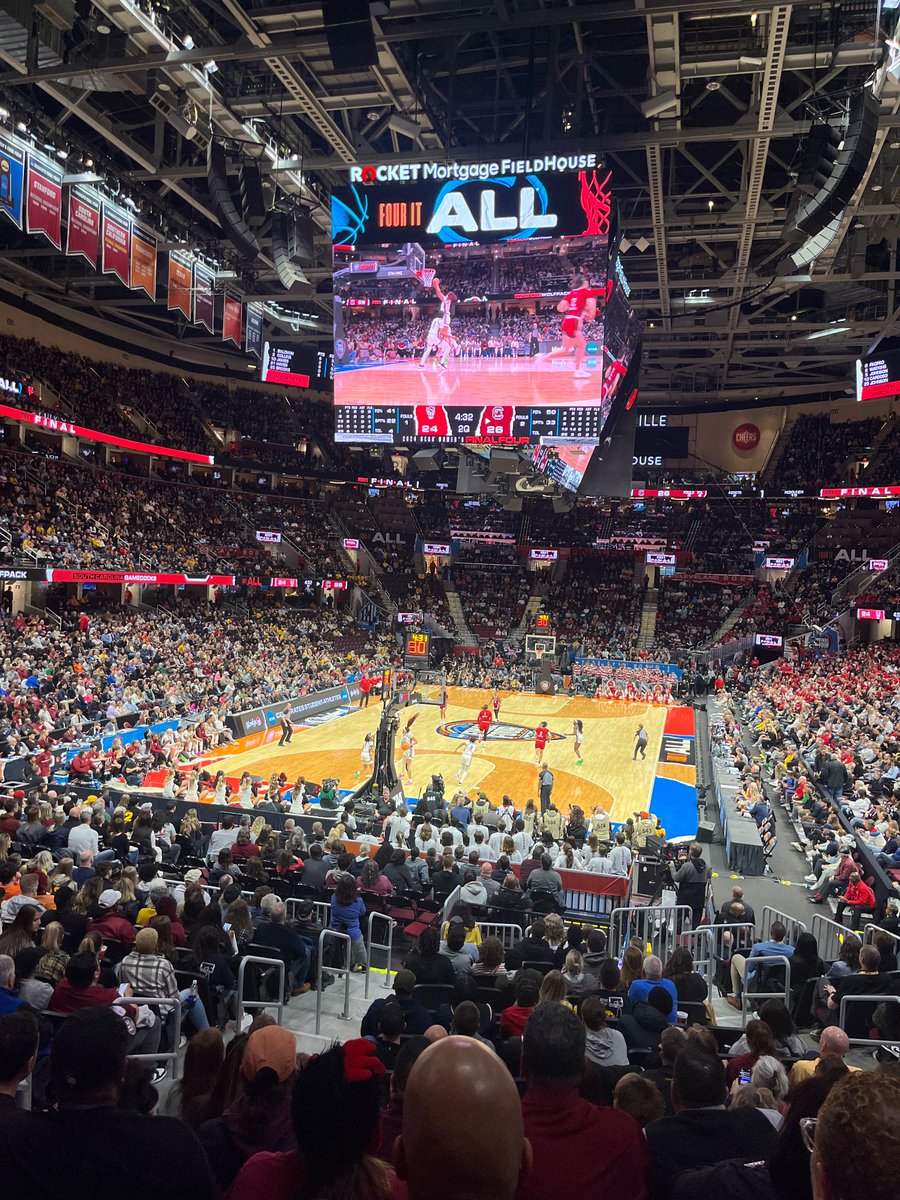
[
  {"x": 641, "y": 1029},
  {"x": 473, "y": 890},
  {"x": 691, "y": 880},
  {"x": 604, "y": 1046},
  {"x": 260, "y": 1118}
]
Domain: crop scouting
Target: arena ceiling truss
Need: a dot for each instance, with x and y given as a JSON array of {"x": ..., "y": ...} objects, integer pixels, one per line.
[{"x": 701, "y": 112}]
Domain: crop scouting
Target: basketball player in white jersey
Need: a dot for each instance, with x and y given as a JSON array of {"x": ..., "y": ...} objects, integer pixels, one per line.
[{"x": 435, "y": 338}]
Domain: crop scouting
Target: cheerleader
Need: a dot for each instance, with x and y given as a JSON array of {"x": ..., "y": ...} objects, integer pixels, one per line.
[
  {"x": 578, "y": 740},
  {"x": 612, "y": 692},
  {"x": 245, "y": 790},
  {"x": 365, "y": 755},
  {"x": 657, "y": 694},
  {"x": 220, "y": 788},
  {"x": 168, "y": 790},
  {"x": 192, "y": 788}
]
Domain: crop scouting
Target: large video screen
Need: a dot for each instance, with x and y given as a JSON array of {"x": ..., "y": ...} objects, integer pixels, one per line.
[
  {"x": 470, "y": 303},
  {"x": 291, "y": 364},
  {"x": 878, "y": 377},
  {"x": 564, "y": 464}
]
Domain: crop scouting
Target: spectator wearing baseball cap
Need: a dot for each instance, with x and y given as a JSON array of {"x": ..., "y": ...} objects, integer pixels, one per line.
[
  {"x": 111, "y": 924},
  {"x": 259, "y": 1120}
]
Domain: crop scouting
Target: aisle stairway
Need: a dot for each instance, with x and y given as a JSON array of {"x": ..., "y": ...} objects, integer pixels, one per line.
[
  {"x": 464, "y": 634},
  {"x": 647, "y": 632},
  {"x": 532, "y": 608}
]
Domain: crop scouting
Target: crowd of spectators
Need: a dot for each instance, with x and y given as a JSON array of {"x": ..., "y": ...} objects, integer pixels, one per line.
[
  {"x": 596, "y": 606},
  {"x": 72, "y": 515},
  {"x": 194, "y": 662},
  {"x": 818, "y": 452},
  {"x": 493, "y": 599}
]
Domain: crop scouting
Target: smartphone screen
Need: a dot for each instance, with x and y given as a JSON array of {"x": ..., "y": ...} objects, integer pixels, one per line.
[{"x": 227, "y": 927}]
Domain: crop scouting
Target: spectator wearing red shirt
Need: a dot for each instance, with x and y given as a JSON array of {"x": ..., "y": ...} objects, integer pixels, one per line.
[
  {"x": 79, "y": 989},
  {"x": 858, "y": 896},
  {"x": 111, "y": 924},
  {"x": 244, "y": 847},
  {"x": 80, "y": 766},
  {"x": 512, "y": 1019},
  {"x": 365, "y": 689},
  {"x": 577, "y": 1148}
]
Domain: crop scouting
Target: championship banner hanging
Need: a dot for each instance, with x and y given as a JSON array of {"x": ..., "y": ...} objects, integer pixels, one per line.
[
  {"x": 143, "y": 262},
  {"x": 232, "y": 319},
  {"x": 180, "y": 280},
  {"x": 115, "y": 241},
  {"x": 254, "y": 330},
  {"x": 204, "y": 301},
  {"x": 12, "y": 179},
  {"x": 83, "y": 231},
  {"x": 43, "y": 200}
]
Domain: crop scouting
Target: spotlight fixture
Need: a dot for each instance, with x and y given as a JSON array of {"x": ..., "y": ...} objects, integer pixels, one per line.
[
  {"x": 211, "y": 66},
  {"x": 188, "y": 42},
  {"x": 655, "y": 106}
]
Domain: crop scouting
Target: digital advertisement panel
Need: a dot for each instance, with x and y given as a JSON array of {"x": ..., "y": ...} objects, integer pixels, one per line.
[{"x": 469, "y": 302}]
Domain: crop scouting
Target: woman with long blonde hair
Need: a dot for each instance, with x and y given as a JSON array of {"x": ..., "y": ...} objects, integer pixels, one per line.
[
  {"x": 52, "y": 965},
  {"x": 62, "y": 876},
  {"x": 553, "y": 990}
]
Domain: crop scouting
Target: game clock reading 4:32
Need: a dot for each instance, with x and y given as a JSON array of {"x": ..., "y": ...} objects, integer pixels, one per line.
[{"x": 416, "y": 654}]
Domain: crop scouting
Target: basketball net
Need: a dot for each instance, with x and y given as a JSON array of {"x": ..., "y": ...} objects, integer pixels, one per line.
[
  {"x": 539, "y": 652},
  {"x": 427, "y": 276}
]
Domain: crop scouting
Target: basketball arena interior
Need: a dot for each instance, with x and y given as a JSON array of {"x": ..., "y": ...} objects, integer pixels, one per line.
[{"x": 450, "y": 578}]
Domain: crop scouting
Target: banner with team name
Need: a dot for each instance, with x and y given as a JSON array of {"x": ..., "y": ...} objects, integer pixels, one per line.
[
  {"x": 616, "y": 674},
  {"x": 43, "y": 200}
]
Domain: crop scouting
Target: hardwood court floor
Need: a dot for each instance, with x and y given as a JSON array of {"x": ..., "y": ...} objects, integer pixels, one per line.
[
  {"x": 519, "y": 381},
  {"x": 503, "y": 765}
]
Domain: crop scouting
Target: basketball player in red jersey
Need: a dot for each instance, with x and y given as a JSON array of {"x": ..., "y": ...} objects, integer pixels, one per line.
[
  {"x": 541, "y": 734},
  {"x": 484, "y": 721},
  {"x": 431, "y": 420},
  {"x": 496, "y": 421},
  {"x": 578, "y": 306}
]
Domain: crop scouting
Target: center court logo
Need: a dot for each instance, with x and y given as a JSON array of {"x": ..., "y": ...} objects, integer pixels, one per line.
[{"x": 499, "y": 731}]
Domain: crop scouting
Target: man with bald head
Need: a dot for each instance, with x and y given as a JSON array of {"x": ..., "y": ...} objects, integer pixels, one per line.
[
  {"x": 834, "y": 1044},
  {"x": 461, "y": 1110}
]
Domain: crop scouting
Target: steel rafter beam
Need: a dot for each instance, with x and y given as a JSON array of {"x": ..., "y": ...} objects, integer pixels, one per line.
[{"x": 755, "y": 166}]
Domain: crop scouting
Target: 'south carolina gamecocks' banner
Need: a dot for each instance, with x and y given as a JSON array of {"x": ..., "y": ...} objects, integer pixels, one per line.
[
  {"x": 83, "y": 231},
  {"x": 115, "y": 243},
  {"x": 43, "y": 200}
]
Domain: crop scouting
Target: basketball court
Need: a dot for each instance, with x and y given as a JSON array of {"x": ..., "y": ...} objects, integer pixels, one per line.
[{"x": 505, "y": 763}]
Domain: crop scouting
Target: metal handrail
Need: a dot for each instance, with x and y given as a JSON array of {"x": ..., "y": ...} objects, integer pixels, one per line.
[
  {"x": 792, "y": 925},
  {"x": 870, "y": 932},
  {"x": 751, "y": 965},
  {"x": 173, "y": 1002},
  {"x": 387, "y": 946},
  {"x": 343, "y": 971},
  {"x": 514, "y": 933},
  {"x": 829, "y": 935},
  {"x": 245, "y": 1005},
  {"x": 708, "y": 947},
  {"x": 668, "y": 927},
  {"x": 842, "y": 1017}
]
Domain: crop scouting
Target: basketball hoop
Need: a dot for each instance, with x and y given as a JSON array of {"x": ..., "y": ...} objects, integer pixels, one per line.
[
  {"x": 539, "y": 653},
  {"x": 427, "y": 276}
]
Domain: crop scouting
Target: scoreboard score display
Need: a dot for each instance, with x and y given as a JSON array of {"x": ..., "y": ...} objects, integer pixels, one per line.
[
  {"x": 415, "y": 654},
  {"x": 454, "y": 316}
]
